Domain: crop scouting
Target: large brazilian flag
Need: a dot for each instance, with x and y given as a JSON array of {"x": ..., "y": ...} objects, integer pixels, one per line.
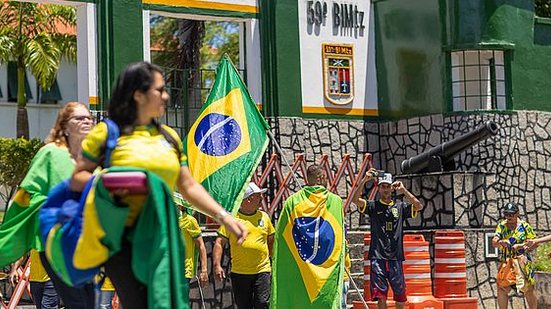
[
  {"x": 308, "y": 261},
  {"x": 19, "y": 230},
  {"x": 226, "y": 142}
]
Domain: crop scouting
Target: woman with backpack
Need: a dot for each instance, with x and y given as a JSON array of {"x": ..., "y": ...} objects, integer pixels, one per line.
[
  {"x": 139, "y": 98},
  {"x": 18, "y": 233}
]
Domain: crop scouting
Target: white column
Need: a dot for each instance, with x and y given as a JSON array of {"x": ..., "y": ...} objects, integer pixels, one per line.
[
  {"x": 87, "y": 74},
  {"x": 146, "y": 36},
  {"x": 253, "y": 61}
]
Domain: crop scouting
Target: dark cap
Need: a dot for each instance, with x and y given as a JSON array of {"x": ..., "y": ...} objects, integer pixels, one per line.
[{"x": 510, "y": 208}]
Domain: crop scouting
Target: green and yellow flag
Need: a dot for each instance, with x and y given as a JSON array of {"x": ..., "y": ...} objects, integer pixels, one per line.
[
  {"x": 226, "y": 142},
  {"x": 19, "y": 230},
  {"x": 308, "y": 261}
]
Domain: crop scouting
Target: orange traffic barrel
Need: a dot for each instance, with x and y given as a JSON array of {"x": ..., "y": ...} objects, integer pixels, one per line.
[
  {"x": 416, "y": 265},
  {"x": 460, "y": 303},
  {"x": 417, "y": 273},
  {"x": 450, "y": 272}
]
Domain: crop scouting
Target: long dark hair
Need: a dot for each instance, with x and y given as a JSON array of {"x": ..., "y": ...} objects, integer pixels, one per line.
[{"x": 122, "y": 107}]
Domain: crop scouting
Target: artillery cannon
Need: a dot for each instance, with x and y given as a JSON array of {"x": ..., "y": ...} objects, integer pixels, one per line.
[{"x": 440, "y": 158}]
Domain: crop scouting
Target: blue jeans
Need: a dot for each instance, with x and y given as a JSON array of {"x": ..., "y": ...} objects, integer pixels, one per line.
[
  {"x": 345, "y": 286},
  {"x": 44, "y": 295},
  {"x": 104, "y": 299},
  {"x": 73, "y": 298}
]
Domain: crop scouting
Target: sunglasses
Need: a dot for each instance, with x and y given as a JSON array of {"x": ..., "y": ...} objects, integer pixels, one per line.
[
  {"x": 509, "y": 215},
  {"x": 82, "y": 118}
]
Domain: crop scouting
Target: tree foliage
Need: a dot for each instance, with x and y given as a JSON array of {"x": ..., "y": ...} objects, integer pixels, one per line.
[
  {"x": 543, "y": 8},
  {"x": 172, "y": 36},
  {"x": 220, "y": 38},
  {"x": 15, "y": 158},
  {"x": 30, "y": 35}
]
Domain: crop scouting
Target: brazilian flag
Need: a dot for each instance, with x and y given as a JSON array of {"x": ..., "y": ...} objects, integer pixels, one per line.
[
  {"x": 19, "y": 230},
  {"x": 228, "y": 139},
  {"x": 308, "y": 261}
]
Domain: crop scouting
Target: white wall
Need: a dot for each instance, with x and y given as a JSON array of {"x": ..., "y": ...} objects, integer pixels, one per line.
[
  {"x": 41, "y": 119},
  {"x": 41, "y": 116}
]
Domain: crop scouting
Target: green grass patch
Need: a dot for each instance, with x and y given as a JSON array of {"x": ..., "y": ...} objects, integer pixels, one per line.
[{"x": 543, "y": 263}]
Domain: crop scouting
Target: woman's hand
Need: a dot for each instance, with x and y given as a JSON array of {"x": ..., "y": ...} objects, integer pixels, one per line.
[{"x": 235, "y": 227}]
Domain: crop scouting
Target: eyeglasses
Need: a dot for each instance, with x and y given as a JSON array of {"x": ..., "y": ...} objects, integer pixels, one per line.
[
  {"x": 82, "y": 118},
  {"x": 161, "y": 89},
  {"x": 509, "y": 215}
]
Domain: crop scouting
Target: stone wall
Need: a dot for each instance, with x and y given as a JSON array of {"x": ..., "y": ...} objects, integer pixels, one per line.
[{"x": 513, "y": 166}]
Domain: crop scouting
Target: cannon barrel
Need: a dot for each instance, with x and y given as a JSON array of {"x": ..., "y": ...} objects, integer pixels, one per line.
[{"x": 441, "y": 156}]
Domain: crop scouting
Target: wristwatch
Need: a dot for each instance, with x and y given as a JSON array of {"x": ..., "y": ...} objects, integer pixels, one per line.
[{"x": 220, "y": 215}]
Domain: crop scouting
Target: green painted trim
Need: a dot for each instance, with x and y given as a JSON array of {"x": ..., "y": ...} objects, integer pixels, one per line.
[
  {"x": 382, "y": 75},
  {"x": 448, "y": 94},
  {"x": 508, "y": 59},
  {"x": 543, "y": 20},
  {"x": 198, "y": 11},
  {"x": 117, "y": 46},
  {"x": 267, "y": 59},
  {"x": 287, "y": 58},
  {"x": 103, "y": 54},
  {"x": 482, "y": 45}
]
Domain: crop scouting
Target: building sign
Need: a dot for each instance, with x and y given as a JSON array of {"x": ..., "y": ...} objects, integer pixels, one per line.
[
  {"x": 337, "y": 57},
  {"x": 338, "y": 73}
]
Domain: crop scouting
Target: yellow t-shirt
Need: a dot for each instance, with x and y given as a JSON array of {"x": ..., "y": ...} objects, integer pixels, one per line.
[
  {"x": 347, "y": 262},
  {"x": 190, "y": 231},
  {"x": 251, "y": 257},
  {"x": 38, "y": 273},
  {"x": 145, "y": 148}
]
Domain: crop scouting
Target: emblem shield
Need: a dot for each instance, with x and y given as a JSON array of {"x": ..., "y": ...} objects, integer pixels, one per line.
[{"x": 338, "y": 73}]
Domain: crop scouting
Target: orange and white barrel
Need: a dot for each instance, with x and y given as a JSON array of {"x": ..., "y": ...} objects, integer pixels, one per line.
[
  {"x": 450, "y": 272},
  {"x": 417, "y": 272}
]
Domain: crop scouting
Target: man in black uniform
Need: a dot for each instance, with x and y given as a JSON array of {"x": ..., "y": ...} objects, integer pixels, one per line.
[{"x": 386, "y": 249}]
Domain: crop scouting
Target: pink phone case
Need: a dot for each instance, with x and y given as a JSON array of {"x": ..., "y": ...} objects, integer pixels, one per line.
[{"x": 134, "y": 182}]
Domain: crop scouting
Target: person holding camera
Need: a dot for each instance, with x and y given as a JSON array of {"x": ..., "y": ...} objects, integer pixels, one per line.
[{"x": 386, "y": 250}]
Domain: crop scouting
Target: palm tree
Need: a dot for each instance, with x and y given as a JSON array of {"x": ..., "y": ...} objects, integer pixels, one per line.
[{"x": 30, "y": 36}]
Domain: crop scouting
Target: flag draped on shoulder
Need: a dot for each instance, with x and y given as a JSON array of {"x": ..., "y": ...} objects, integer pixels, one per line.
[
  {"x": 226, "y": 142},
  {"x": 19, "y": 230},
  {"x": 308, "y": 257}
]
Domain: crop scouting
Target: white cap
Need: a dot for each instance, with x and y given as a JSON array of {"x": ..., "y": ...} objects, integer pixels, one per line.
[
  {"x": 385, "y": 178},
  {"x": 252, "y": 188}
]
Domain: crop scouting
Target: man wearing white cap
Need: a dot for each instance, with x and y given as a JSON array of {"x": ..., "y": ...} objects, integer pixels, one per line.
[
  {"x": 386, "y": 250},
  {"x": 251, "y": 268}
]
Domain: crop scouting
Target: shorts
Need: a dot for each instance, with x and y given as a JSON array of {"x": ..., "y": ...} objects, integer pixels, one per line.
[{"x": 384, "y": 272}]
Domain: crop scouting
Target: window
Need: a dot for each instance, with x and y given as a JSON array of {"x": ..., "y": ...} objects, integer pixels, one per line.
[{"x": 478, "y": 80}]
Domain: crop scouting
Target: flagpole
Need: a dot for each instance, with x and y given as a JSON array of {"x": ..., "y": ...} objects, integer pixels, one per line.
[
  {"x": 284, "y": 159},
  {"x": 356, "y": 287}
]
